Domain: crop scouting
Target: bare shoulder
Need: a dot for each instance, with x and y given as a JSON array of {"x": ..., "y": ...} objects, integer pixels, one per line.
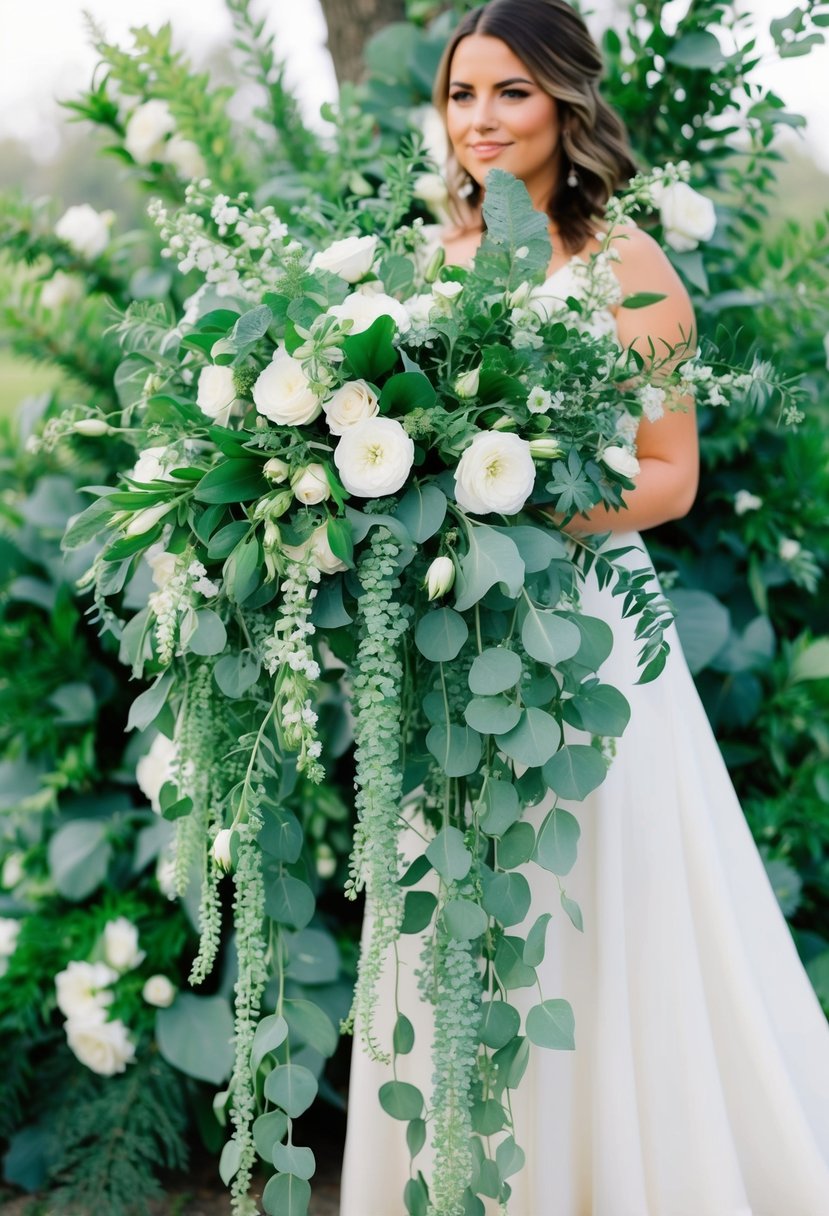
[
  {"x": 639, "y": 258},
  {"x": 643, "y": 266}
]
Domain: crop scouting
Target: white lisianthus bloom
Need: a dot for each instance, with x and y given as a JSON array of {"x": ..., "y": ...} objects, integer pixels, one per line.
[
  {"x": 495, "y": 473},
  {"x": 283, "y": 393},
  {"x": 220, "y": 850},
  {"x": 276, "y": 470},
  {"x": 362, "y": 308},
  {"x": 185, "y": 157},
  {"x": 144, "y": 520},
  {"x": 85, "y": 230},
  {"x": 439, "y": 577},
  {"x": 159, "y": 991},
  {"x": 317, "y": 550},
  {"x": 12, "y": 872},
  {"x": 83, "y": 989},
  {"x": 653, "y": 402},
  {"x": 688, "y": 217},
  {"x": 310, "y": 485},
  {"x": 351, "y": 403},
  {"x": 539, "y": 400},
  {"x": 621, "y": 461},
  {"x": 351, "y": 258},
  {"x": 745, "y": 501},
  {"x": 216, "y": 393},
  {"x": 60, "y": 290},
  {"x": 121, "y": 945},
  {"x": 147, "y": 131},
  {"x": 153, "y": 464},
  {"x": 104, "y": 1047},
  {"x": 374, "y": 457},
  {"x": 467, "y": 384},
  {"x": 156, "y": 768},
  {"x": 788, "y": 549}
]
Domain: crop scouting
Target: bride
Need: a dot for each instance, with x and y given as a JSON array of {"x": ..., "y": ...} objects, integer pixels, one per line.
[{"x": 699, "y": 1085}]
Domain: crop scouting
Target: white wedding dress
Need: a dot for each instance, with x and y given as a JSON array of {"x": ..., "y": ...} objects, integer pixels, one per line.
[{"x": 699, "y": 1085}]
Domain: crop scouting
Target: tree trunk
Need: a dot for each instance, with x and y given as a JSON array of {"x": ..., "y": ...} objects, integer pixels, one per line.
[{"x": 350, "y": 24}]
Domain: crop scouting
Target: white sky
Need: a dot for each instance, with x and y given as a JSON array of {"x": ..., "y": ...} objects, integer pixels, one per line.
[{"x": 44, "y": 55}]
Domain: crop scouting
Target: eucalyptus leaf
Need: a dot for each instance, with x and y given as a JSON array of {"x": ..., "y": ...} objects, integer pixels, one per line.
[
  {"x": 311, "y": 1025},
  {"x": 271, "y": 1032},
  {"x": 418, "y": 910},
  {"x": 551, "y": 1024},
  {"x": 290, "y": 1159},
  {"x": 236, "y": 674},
  {"x": 146, "y": 707},
  {"x": 286, "y": 1195},
  {"x": 415, "y": 1136},
  {"x": 534, "y": 945},
  {"x": 401, "y": 1100},
  {"x": 457, "y": 749},
  {"x": 516, "y": 846},
  {"x": 573, "y": 911},
  {"x": 501, "y": 807},
  {"x": 548, "y": 637},
  {"x": 230, "y": 1160},
  {"x": 313, "y": 957},
  {"x": 289, "y": 901},
  {"x": 281, "y": 834},
  {"x": 500, "y": 1022},
  {"x": 509, "y": 1157},
  {"x": 575, "y": 771},
  {"x": 534, "y": 740},
  {"x": 600, "y": 709},
  {"x": 510, "y": 967},
  {"x": 464, "y": 919},
  {"x": 403, "y": 1036},
  {"x": 491, "y": 560},
  {"x": 449, "y": 855},
  {"x": 195, "y": 1035},
  {"x": 440, "y": 635},
  {"x": 557, "y": 842},
  {"x": 422, "y": 509},
  {"x": 268, "y": 1130},
  {"x": 488, "y": 1117},
  {"x": 292, "y": 1088},
  {"x": 79, "y": 854},
  {"x": 210, "y": 635},
  {"x": 507, "y": 897},
  {"x": 494, "y": 671},
  {"x": 492, "y": 715}
]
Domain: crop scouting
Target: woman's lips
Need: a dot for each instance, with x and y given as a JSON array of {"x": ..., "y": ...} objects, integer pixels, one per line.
[{"x": 485, "y": 151}]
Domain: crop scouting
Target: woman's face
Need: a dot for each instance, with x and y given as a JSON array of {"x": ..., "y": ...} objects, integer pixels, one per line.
[{"x": 498, "y": 117}]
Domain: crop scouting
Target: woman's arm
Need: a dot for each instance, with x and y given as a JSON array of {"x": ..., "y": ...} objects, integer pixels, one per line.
[{"x": 668, "y": 449}]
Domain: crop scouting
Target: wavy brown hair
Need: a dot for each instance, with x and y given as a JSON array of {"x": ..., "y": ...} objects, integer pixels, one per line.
[{"x": 551, "y": 39}]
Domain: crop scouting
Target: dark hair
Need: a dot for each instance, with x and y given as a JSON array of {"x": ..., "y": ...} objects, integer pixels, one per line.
[{"x": 554, "y": 43}]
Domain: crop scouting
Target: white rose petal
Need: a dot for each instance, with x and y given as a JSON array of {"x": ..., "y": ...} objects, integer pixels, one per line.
[
  {"x": 350, "y": 404},
  {"x": 216, "y": 393},
  {"x": 621, "y": 461},
  {"x": 104, "y": 1047},
  {"x": 745, "y": 501},
  {"x": 162, "y": 564},
  {"x": 362, "y": 308},
  {"x": 185, "y": 157},
  {"x": 60, "y": 290},
  {"x": 157, "y": 767},
  {"x": 319, "y": 552},
  {"x": 121, "y": 945},
  {"x": 159, "y": 991},
  {"x": 688, "y": 217},
  {"x": 495, "y": 473},
  {"x": 147, "y": 131},
  {"x": 351, "y": 258},
  {"x": 283, "y": 393},
  {"x": 85, "y": 230},
  {"x": 310, "y": 485},
  {"x": 165, "y": 876},
  {"x": 83, "y": 989},
  {"x": 374, "y": 457}
]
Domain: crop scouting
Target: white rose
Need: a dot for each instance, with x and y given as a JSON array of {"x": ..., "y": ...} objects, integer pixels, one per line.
[
  {"x": 621, "y": 461},
  {"x": 283, "y": 393},
  {"x": 147, "y": 131},
  {"x": 439, "y": 577},
  {"x": 419, "y": 309},
  {"x": 317, "y": 550},
  {"x": 153, "y": 464},
  {"x": 156, "y": 767},
  {"x": 220, "y": 849},
  {"x": 362, "y": 308},
  {"x": 745, "y": 501},
  {"x": 60, "y": 290},
  {"x": 121, "y": 945},
  {"x": 159, "y": 991},
  {"x": 276, "y": 470},
  {"x": 467, "y": 384},
  {"x": 185, "y": 157},
  {"x": 9, "y": 931},
  {"x": 12, "y": 872},
  {"x": 85, "y": 230},
  {"x": 789, "y": 549},
  {"x": 374, "y": 457},
  {"x": 495, "y": 473},
  {"x": 350, "y": 258},
  {"x": 104, "y": 1047},
  {"x": 216, "y": 393},
  {"x": 431, "y": 189},
  {"x": 83, "y": 989},
  {"x": 349, "y": 404},
  {"x": 310, "y": 485},
  {"x": 687, "y": 217}
]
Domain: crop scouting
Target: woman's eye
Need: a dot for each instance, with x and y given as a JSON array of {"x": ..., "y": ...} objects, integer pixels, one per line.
[
  {"x": 461, "y": 95},
  {"x": 515, "y": 93}
]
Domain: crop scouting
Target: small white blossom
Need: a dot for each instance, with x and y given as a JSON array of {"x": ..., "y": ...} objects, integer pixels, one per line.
[
  {"x": 9, "y": 933},
  {"x": 745, "y": 501},
  {"x": 121, "y": 945},
  {"x": 788, "y": 549},
  {"x": 467, "y": 384},
  {"x": 60, "y": 290},
  {"x": 85, "y": 230},
  {"x": 620, "y": 461},
  {"x": 83, "y": 989},
  {"x": 159, "y": 991},
  {"x": 185, "y": 157},
  {"x": 12, "y": 872},
  {"x": 653, "y": 402},
  {"x": 156, "y": 768},
  {"x": 539, "y": 400}
]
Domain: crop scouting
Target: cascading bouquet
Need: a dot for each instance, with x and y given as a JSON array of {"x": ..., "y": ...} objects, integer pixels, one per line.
[{"x": 333, "y": 440}]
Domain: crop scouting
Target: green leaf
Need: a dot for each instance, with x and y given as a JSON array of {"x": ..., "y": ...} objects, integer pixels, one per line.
[
  {"x": 500, "y": 1022},
  {"x": 573, "y": 911},
  {"x": 507, "y": 897},
  {"x": 76, "y": 704},
  {"x": 449, "y": 855},
  {"x": 511, "y": 224},
  {"x": 292, "y": 1088},
  {"x": 146, "y": 707},
  {"x": 415, "y": 1192},
  {"x": 642, "y": 299},
  {"x": 510, "y": 967},
  {"x": 492, "y": 715},
  {"x": 533, "y": 741},
  {"x": 697, "y": 49},
  {"x": 271, "y": 1033},
  {"x": 811, "y": 663},
  {"x": 537, "y": 546},
  {"x": 415, "y": 1136},
  {"x": 534, "y": 945},
  {"x": 285, "y": 1195},
  {"x": 401, "y": 1100},
  {"x": 418, "y": 910},
  {"x": 487, "y": 1117},
  {"x": 509, "y": 1157},
  {"x": 232, "y": 481},
  {"x": 281, "y": 834},
  {"x": 440, "y": 635},
  {"x": 491, "y": 560},
  {"x": 516, "y": 846},
  {"x": 422, "y": 510},
  {"x": 195, "y": 1035},
  {"x": 310, "y": 1025},
  {"x": 548, "y": 637},
  {"x": 79, "y": 854},
  {"x": 230, "y": 1160},
  {"x": 85, "y": 527},
  {"x": 235, "y": 674},
  {"x": 464, "y": 919},
  {"x": 210, "y": 636},
  {"x": 511, "y": 1061},
  {"x": 243, "y": 570},
  {"x": 501, "y": 807},
  {"x": 596, "y": 640},
  {"x": 313, "y": 957},
  {"x": 575, "y": 771},
  {"x": 290, "y": 1159},
  {"x": 371, "y": 354},
  {"x": 223, "y": 542},
  {"x": 404, "y": 392},
  {"x": 403, "y": 1036},
  {"x": 600, "y": 709},
  {"x": 457, "y": 749},
  {"x": 551, "y": 1024},
  {"x": 289, "y": 901},
  {"x": 494, "y": 670},
  {"x": 268, "y": 1130},
  {"x": 557, "y": 842}
]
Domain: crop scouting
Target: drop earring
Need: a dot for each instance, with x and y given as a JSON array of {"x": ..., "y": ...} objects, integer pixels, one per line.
[
  {"x": 572, "y": 177},
  {"x": 467, "y": 188}
]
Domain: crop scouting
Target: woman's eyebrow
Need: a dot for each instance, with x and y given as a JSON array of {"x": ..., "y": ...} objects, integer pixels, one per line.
[{"x": 462, "y": 84}]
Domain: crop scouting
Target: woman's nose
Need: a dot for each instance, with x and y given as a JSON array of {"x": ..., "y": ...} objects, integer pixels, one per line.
[{"x": 483, "y": 118}]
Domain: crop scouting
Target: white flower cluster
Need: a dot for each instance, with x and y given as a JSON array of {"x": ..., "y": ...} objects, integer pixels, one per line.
[
  {"x": 9, "y": 933},
  {"x": 288, "y": 655},
  {"x": 85, "y": 230},
  {"x": 179, "y": 579},
  {"x": 151, "y": 137}
]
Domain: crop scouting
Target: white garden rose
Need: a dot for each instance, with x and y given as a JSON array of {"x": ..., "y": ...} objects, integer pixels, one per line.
[
  {"x": 185, "y": 157},
  {"x": 419, "y": 309},
  {"x": 362, "y": 308},
  {"x": 121, "y": 945},
  {"x": 162, "y": 564},
  {"x": 351, "y": 403},
  {"x": 159, "y": 991},
  {"x": 60, "y": 290},
  {"x": 620, "y": 461},
  {"x": 83, "y": 989},
  {"x": 85, "y": 230},
  {"x": 283, "y": 392},
  {"x": 350, "y": 258},
  {"x": 745, "y": 501},
  {"x": 688, "y": 217},
  {"x": 317, "y": 550},
  {"x": 495, "y": 473},
  {"x": 310, "y": 485},
  {"x": 276, "y": 470},
  {"x": 147, "y": 131},
  {"x": 374, "y": 457},
  {"x": 216, "y": 393},
  {"x": 104, "y": 1047},
  {"x": 156, "y": 767}
]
